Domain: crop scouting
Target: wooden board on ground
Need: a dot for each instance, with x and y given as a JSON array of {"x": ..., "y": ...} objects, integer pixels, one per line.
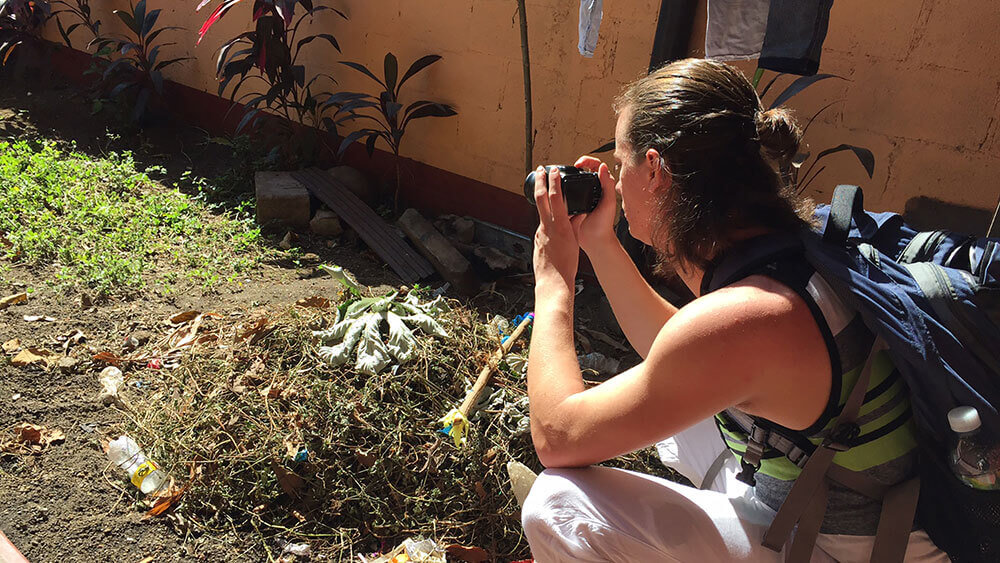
[{"x": 377, "y": 234}]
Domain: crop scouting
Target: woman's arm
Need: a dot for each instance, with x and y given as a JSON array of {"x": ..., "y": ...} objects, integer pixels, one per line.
[
  {"x": 741, "y": 346},
  {"x": 640, "y": 311}
]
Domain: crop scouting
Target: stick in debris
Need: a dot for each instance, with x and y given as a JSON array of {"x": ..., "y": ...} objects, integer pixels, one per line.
[{"x": 457, "y": 420}]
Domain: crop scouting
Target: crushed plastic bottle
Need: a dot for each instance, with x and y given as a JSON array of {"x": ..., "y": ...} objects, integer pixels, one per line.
[
  {"x": 973, "y": 456},
  {"x": 143, "y": 473}
]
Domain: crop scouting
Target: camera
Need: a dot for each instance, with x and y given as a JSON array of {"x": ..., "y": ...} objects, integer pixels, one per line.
[{"x": 581, "y": 189}]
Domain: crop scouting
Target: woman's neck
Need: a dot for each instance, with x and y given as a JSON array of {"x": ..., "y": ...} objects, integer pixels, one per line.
[{"x": 692, "y": 275}]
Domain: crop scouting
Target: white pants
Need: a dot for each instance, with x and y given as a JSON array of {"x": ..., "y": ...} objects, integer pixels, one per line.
[{"x": 605, "y": 514}]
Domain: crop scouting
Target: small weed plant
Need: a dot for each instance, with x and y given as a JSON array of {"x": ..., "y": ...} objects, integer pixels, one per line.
[{"x": 103, "y": 225}]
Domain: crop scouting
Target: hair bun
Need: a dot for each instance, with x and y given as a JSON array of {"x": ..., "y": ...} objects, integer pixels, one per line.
[{"x": 779, "y": 136}]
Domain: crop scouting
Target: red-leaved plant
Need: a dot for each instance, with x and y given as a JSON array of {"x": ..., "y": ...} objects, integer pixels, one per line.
[{"x": 269, "y": 54}]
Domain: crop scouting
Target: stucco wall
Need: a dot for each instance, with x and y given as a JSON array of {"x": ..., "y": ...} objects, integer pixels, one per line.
[
  {"x": 922, "y": 91},
  {"x": 480, "y": 73},
  {"x": 922, "y": 87}
]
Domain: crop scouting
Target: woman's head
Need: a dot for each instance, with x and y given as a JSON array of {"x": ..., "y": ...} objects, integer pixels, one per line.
[{"x": 700, "y": 160}]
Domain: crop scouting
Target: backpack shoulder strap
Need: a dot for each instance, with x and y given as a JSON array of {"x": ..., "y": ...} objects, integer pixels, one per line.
[
  {"x": 848, "y": 203},
  {"x": 813, "y": 477}
]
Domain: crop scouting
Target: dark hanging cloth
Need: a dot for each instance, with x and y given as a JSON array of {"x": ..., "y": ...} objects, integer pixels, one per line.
[{"x": 793, "y": 41}]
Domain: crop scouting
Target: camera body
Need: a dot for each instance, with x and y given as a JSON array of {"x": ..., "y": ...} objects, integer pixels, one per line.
[{"x": 581, "y": 189}]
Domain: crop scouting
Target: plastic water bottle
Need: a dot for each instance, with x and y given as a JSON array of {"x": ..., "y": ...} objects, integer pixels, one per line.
[
  {"x": 974, "y": 458},
  {"x": 143, "y": 473}
]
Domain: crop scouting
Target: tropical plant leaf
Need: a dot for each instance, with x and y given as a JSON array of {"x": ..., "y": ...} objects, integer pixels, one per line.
[
  {"x": 157, "y": 78},
  {"x": 865, "y": 156},
  {"x": 352, "y": 137},
  {"x": 798, "y": 85},
  {"x": 139, "y": 16},
  {"x": 140, "y": 104},
  {"x": 215, "y": 16},
  {"x": 362, "y": 69},
  {"x": 417, "y": 66},
  {"x": 64, "y": 33},
  {"x": 324, "y": 36},
  {"x": 609, "y": 146},
  {"x": 128, "y": 20},
  {"x": 164, "y": 64},
  {"x": 433, "y": 110},
  {"x": 152, "y": 36},
  {"x": 391, "y": 73},
  {"x": 247, "y": 118},
  {"x": 370, "y": 144},
  {"x": 771, "y": 83},
  {"x": 150, "y": 21}
]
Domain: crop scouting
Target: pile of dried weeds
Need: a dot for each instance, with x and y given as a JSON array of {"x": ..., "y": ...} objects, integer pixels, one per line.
[{"x": 278, "y": 446}]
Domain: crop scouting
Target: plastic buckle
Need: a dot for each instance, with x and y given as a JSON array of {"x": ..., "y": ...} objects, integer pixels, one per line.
[
  {"x": 748, "y": 472},
  {"x": 842, "y": 437}
]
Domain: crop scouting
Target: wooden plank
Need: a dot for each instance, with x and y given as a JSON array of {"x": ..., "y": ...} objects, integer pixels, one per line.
[
  {"x": 372, "y": 229},
  {"x": 382, "y": 238},
  {"x": 377, "y": 234}
]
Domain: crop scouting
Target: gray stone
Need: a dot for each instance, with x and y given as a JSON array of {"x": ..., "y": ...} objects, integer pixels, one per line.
[
  {"x": 281, "y": 200},
  {"x": 67, "y": 364},
  {"x": 325, "y": 223},
  {"x": 496, "y": 260},
  {"x": 355, "y": 181},
  {"x": 465, "y": 229},
  {"x": 448, "y": 261}
]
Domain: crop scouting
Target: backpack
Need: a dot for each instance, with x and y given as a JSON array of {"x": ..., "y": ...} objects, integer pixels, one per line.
[{"x": 933, "y": 299}]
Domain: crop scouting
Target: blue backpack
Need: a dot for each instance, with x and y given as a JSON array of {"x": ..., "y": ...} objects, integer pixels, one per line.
[{"x": 933, "y": 298}]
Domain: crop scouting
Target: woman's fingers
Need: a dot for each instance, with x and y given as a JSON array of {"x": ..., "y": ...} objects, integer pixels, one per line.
[
  {"x": 542, "y": 195},
  {"x": 557, "y": 205},
  {"x": 588, "y": 163}
]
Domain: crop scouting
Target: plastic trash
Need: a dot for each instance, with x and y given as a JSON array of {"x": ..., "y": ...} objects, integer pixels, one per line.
[
  {"x": 297, "y": 549},
  {"x": 111, "y": 380},
  {"x": 974, "y": 458},
  {"x": 143, "y": 473}
]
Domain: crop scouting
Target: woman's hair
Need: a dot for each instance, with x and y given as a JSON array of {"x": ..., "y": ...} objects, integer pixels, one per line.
[{"x": 729, "y": 159}]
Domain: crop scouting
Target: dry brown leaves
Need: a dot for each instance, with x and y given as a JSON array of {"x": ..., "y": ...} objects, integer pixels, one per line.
[
  {"x": 35, "y": 356},
  {"x": 291, "y": 483},
  {"x": 166, "y": 498},
  {"x": 315, "y": 302},
  {"x": 32, "y": 438},
  {"x": 469, "y": 554},
  {"x": 13, "y": 300}
]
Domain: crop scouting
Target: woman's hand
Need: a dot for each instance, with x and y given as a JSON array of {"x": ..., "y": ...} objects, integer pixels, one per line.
[
  {"x": 557, "y": 248},
  {"x": 598, "y": 226}
]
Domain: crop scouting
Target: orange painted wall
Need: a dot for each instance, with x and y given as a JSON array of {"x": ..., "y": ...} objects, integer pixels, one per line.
[
  {"x": 480, "y": 73},
  {"x": 922, "y": 86},
  {"x": 922, "y": 91}
]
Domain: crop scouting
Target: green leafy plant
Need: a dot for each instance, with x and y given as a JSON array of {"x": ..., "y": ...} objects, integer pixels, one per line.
[
  {"x": 80, "y": 11},
  {"x": 270, "y": 55},
  {"x": 20, "y": 20},
  {"x": 386, "y": 113},
  {"x": 139, "y": 71},
  {"x": 358, "y": 329}
]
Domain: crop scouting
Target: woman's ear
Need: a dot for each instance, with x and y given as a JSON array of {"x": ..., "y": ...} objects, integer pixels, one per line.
[{"x": 658, "y": 169}]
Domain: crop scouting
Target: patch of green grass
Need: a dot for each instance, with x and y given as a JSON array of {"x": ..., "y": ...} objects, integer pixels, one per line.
[{"x": 106, "y": 226}]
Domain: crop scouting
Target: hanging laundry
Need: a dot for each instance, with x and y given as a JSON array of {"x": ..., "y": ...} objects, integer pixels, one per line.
[
  {"x": 735, "y": 29},
  {"x": 795, "y": 33},
  {"x": 591, "y": 12}
]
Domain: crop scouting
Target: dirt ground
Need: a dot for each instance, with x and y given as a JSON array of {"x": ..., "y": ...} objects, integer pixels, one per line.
[{"x": 67, "y": 504}]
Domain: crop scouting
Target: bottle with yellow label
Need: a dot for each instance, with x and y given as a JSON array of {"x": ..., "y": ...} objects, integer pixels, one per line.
[{"x": 143, "y": 473}]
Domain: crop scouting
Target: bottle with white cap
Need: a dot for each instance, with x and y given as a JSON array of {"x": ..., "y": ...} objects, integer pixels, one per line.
[{"x": 975, "y": 460}]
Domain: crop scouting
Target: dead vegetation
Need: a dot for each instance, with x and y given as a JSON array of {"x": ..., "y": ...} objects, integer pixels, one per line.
[{"x": 277, "y": 446}]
